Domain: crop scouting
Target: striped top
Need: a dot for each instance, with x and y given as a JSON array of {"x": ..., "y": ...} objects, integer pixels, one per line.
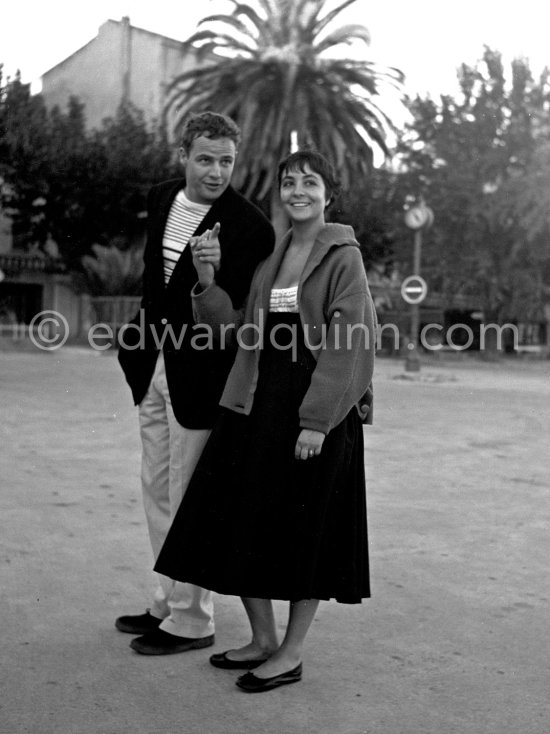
[
  {"x": 284, "y": 299},
  {"x": 183, "y": 219}
]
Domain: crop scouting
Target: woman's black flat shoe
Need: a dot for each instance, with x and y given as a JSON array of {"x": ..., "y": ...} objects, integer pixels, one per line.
[
  {"x": 220, "y": 660},
  {"x": 252, "y": 684}
]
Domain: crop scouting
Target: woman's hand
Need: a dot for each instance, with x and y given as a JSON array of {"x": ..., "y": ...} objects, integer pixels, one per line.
[
  {"x": 309, "y": 444},
  {"x": 206, "y": 252}
]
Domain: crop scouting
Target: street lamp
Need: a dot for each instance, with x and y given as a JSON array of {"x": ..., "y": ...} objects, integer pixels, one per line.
[{"x": 414, "y": 288}]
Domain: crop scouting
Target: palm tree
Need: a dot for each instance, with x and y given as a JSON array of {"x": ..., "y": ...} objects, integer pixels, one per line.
[
  {"x": 269, "y": 69},
  {"x": 111, "y": 271}
]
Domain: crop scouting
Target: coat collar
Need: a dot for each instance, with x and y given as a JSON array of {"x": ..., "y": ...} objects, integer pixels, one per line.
[
  {"x": 329, "y": 236},
  {"x": 213, "y": 215}
]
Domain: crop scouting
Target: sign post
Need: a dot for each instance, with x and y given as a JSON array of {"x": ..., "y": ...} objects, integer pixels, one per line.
[
  {"x": 414, "y": 288},
  {"x": 413, "y": 291}
]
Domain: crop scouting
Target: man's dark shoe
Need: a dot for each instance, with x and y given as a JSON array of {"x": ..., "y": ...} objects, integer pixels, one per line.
[
  {"x": 159, "y": 642},
  {"x": 137, "y": 624}
]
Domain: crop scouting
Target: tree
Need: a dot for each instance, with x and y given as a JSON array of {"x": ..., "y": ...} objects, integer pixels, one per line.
[
  {"x": 473, "y": 158},
  {"x": 74, "y": 166},
  {"x": 99, "y": 181},
  {"x": 23, "y": 161},
  {"x": 274, "y": 74},
  {"x": 77, "y": 188},
  {"x": 370, "y": 209}
]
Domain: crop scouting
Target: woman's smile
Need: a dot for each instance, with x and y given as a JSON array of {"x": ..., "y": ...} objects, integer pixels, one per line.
[{"x": 303, "y": 193}]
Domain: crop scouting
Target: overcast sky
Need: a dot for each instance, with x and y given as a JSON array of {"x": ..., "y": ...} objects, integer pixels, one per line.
[{"x": 427, "y": 39}]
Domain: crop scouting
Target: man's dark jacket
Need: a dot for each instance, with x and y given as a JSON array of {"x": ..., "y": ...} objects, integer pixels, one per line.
[{"x": 196, "y": 376}]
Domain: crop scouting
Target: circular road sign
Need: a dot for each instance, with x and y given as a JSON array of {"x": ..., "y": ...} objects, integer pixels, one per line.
[
  {"x": 419, "y": 216},
  {"x": 416, "y": 217},
  {"x": 414, "y": 289}
]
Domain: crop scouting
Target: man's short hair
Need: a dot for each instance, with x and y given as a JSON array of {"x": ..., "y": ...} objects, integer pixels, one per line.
[{"x": 210, "y": 125}]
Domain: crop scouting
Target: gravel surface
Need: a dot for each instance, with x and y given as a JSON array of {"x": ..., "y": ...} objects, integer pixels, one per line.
[{"x": 454, "y": 640}]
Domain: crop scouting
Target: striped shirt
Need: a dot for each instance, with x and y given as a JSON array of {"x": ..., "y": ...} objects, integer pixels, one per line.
[{"x": 183, "y": 219}]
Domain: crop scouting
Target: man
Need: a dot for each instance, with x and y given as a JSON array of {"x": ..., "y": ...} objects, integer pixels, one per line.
[{"x": 176, "y": 378}]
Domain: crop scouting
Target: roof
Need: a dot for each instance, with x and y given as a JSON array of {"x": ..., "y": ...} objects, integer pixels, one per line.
[{"x": 118, "y": 22}]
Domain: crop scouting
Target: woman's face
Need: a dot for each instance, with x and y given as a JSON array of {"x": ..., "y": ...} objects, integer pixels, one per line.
[{"x": 303, "y": 195}]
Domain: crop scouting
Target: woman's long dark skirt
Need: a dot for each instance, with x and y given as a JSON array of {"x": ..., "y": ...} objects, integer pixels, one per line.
[{"x": 257, "y": 522}]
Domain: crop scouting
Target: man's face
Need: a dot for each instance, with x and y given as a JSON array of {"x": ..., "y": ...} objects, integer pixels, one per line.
[{"x": 208, "y": 168}]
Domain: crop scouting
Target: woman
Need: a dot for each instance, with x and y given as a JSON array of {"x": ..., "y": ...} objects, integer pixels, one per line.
[{"x": 277, "y": 503}]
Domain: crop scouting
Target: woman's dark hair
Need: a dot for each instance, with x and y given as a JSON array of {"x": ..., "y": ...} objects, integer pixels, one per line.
[{"x": 317, "y": 163}]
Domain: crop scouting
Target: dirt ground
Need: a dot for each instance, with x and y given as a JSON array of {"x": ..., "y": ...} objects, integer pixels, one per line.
[{"x": 454, "y": 640}]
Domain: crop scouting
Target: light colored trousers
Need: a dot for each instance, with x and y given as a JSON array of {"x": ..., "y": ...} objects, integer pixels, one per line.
[{"x": 169, "y": 455}]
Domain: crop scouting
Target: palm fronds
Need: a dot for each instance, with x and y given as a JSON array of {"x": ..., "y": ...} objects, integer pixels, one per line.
[{"x": 268, "y": 68}]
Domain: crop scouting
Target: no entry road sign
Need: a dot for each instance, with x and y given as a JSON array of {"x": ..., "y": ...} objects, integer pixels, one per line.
[{"x": 414, "y": 289}]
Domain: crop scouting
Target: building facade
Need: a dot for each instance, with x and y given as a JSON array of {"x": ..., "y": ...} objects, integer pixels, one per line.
[{"x": 122, "y": 63}]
